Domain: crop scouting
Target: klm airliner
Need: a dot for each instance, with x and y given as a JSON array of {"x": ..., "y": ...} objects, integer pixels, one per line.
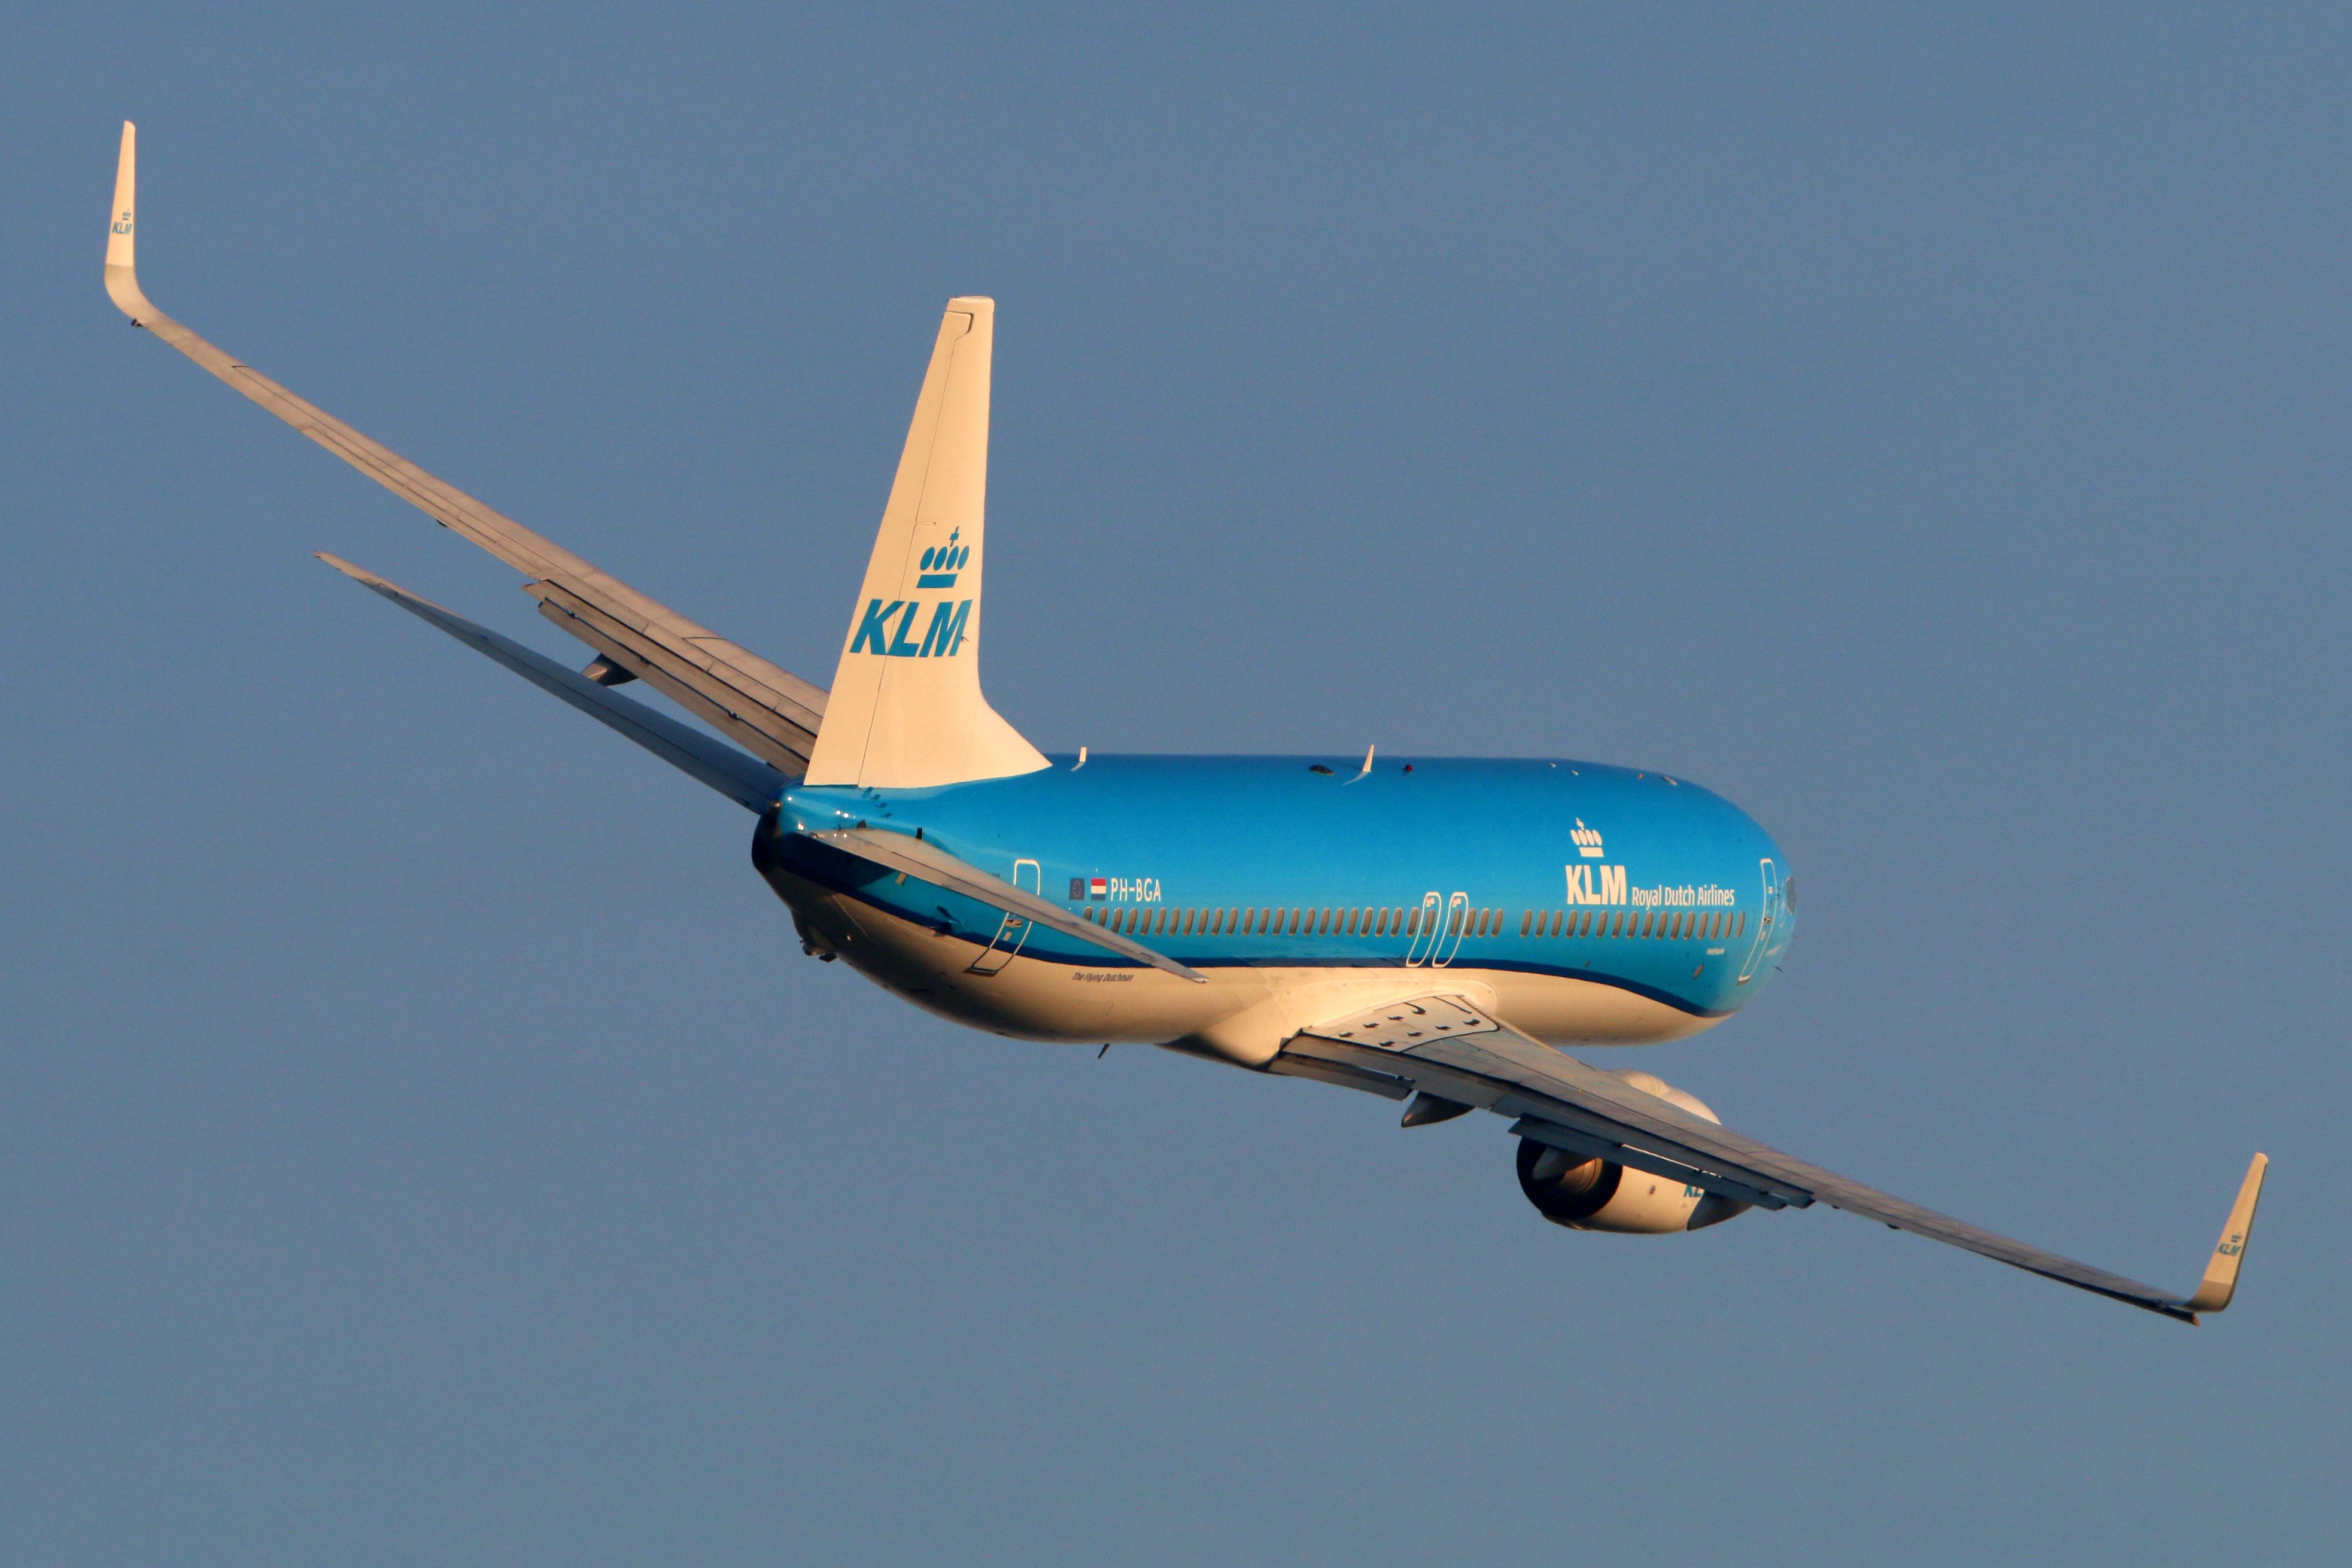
[{"x": 1430, "y": 930}]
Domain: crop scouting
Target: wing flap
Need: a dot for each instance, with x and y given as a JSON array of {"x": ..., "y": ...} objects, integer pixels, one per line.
[{"x": 748, "y": 707}]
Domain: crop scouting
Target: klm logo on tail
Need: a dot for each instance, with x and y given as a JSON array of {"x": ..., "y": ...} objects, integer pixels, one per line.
[{"x": 942, "y": 637}]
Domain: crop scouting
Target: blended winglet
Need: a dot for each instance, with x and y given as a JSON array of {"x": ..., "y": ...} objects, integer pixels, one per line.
[
  {"x": 2220, "y": 1281},
  {"x": 122, "y": 234}
]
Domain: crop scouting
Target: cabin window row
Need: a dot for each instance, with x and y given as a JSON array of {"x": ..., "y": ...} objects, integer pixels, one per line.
[
  {"x": 1137, "y": 921},
  {"x": 1713, "y": 925},
  {"x": 1371, "y": 920}
]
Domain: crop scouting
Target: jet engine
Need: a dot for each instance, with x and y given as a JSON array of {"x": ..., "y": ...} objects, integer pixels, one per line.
[{"x": 1585, "y": 1192}]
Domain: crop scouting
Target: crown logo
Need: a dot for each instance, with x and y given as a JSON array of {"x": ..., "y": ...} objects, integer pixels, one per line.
[
  {"x": 940, "y": 563},
  {"x": 1588, "y": 840}
]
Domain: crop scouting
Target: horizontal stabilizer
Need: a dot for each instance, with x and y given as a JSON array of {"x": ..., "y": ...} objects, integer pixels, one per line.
[
  {"x": 746, "y": 781},
  {"x": 902, "y": 852}
]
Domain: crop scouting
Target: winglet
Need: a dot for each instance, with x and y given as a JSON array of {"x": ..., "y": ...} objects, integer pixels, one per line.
[
  {"x": 121, "y": 260},
  {"x": 2220, "y": 1281}
]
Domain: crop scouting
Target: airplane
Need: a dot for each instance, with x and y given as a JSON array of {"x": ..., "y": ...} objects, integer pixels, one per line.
[{"x": 1430, "y": 929}]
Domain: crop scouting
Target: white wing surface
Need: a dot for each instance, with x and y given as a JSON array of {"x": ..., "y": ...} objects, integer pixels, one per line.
[
  {"x": 768, "y": 709},
  {"x": 1450, "y": 1048}
]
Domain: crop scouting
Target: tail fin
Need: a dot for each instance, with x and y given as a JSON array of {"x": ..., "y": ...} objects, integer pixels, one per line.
[{"x": 905, "y": 709}]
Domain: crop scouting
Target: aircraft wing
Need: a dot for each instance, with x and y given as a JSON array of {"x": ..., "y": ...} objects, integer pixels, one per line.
[
  {"x": 916, "y": 857},
  {"x": 747, "y": 781},
  {"x": 1450, "y": 1048},
  {"x": 765, "y": 708}
]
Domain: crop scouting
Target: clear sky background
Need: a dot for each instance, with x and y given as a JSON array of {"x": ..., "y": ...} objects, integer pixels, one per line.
[{"x": 421, "y": 1139}]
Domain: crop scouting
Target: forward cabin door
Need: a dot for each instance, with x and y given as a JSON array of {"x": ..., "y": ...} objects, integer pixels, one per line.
[
  {"x": 1767, "y": 909},
  {"x": 1012, "y": 931}
]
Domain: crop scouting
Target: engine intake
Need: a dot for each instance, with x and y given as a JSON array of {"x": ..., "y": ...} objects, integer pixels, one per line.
[{"x": 1586, "y": 1192}]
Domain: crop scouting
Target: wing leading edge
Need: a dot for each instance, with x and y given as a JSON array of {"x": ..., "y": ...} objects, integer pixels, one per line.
[
  {"x": 1450, "y": 1048},
  {"x": 769, "y": 710}
]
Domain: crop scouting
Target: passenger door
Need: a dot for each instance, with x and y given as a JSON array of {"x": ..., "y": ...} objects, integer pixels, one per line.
[
  {"x": 1012, "y": 931},
  {"x": 1767, "y": 912}
]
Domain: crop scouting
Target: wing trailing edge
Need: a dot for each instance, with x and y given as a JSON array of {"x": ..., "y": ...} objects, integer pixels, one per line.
[{"x": 1448, "y": 1046}]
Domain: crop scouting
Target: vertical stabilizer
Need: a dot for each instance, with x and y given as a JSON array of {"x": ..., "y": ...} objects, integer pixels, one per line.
[{"x": 905, "y": 709}]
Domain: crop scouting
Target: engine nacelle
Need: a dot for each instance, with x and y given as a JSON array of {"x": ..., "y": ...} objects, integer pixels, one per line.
[{"x": 1584, "y": 1193}]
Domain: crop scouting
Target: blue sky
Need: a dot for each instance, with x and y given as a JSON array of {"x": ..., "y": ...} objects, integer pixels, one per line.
[{"x": 423, "y": 1141}]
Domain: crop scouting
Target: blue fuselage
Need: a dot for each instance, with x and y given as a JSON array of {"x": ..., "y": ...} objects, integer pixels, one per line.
[{"x": 1635, "y": 881}]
